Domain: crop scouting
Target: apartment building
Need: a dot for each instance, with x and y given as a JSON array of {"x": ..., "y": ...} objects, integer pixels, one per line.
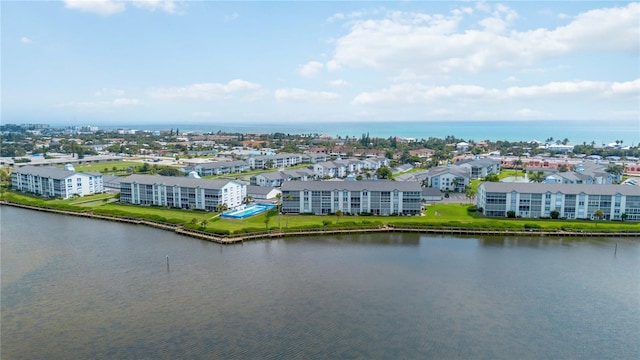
[
  {"x": 55, "y": 182},
  {"x": 352, "y": 197},
  {"x": 181, "y": 192},
  {"x": 572, "y": 201}
]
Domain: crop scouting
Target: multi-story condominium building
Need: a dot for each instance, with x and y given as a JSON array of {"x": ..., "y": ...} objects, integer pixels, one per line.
[
  {"x": 337, "y": 168},
  {"x": 341, "y": 168},
  {"x": 572, "y": 201},
  {"x": 447, "y": 178},
  {"x": 352, "y": 197},
  {"x": 314, "y": 157},
  {"x": 219, "y": 168},
  {"x": 274, "y": 161},
  {"x": 181, "y": 192},
  {"x": 585, "y": 173},
  {"x": 481, "y": 168},
  {"x": 55, "y": 182},
  {"x": 277, "y": 178}
]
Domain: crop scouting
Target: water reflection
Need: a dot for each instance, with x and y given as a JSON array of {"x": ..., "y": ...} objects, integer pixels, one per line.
[{"x": 78, "y": 288}]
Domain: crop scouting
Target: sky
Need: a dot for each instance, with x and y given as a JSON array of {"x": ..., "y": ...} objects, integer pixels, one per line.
[{"x": 168, "y": 61}]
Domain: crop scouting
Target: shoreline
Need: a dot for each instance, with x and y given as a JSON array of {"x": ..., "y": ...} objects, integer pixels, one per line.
[{"x": 226, "y": 240}]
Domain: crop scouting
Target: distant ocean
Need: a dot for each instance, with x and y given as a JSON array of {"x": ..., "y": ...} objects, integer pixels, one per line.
[{"x": 576, "y": 131}]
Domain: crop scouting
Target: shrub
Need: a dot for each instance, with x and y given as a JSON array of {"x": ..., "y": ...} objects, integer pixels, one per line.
[{"x": 511, "y": 214}]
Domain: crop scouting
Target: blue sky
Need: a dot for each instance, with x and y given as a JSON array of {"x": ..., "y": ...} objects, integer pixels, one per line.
[{"x": 118, "y": 62}]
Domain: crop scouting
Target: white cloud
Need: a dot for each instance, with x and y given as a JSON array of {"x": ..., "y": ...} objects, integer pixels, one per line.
[
  {"x": 433, "y": 43},
  {"x": 168, "y": 6},
  {"x": 628, "y": 87},
  {"x": 295, "y": 94},
  {"x": 202, "y": 114},
  {"x": 109, "y": 92},
  {"x": 126, "y": 102},
  {"x": 310, "y": 69},
  {"x": 338, "y": 83},
  {"x": 414, "y": 93},
  {"x": 100, "y": 7},
  {"x": 204, "y": 91},
  {"x": 26, "y": 40},
  {"x": 231, "y": 17},
  {"x": 333, "y": 65},
  {"x": 111, "y": 7},
  {"x": 95, "y": 105},
  {"x": 526, "y": 112}
]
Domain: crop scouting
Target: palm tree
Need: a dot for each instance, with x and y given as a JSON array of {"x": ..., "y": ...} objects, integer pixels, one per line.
[
  {"x": 537, "y": 177},
  {"x": 286, "y": 215},
  {"x": 598, "y": 215},
  {"x": 471, "y": 193},
  {"x": 516, "y": 164},
  {"x": 279, "y": 206}
]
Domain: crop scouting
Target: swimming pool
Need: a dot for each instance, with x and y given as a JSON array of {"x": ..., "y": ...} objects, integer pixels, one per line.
[{"x": 247, "y": 211}]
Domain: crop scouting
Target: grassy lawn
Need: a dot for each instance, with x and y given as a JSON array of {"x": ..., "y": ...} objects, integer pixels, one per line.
[
  {"x": 121, "y": 167},
  {"x": 436, "y": 215}
]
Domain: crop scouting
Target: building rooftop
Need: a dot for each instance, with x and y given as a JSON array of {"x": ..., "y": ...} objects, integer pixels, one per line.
[
  {"x": 177, "y": 181},
  {"x": 379, "y": 185},
  {"x": 562, "y": 188}
]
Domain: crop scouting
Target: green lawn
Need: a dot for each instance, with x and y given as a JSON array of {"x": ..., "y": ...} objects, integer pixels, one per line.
[
  {"x": 436, "y": 215},
  {"x": 121, "y": 167}
]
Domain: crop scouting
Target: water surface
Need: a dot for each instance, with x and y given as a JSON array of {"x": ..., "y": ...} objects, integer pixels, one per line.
[{"x": 81, "y": 288}]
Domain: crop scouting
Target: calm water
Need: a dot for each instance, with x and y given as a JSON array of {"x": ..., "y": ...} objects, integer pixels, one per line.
[{"x": 79, "y": 288}]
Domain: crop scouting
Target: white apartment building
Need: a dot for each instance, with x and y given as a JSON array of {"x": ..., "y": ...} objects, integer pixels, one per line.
[
  {"x": 181, "y": 192},
  {"x": 56, "y": 183},
  {"x": 572, "y": 201}
]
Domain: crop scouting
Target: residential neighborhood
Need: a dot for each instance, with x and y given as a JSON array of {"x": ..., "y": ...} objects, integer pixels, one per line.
[{"x": 312, "y": 173}]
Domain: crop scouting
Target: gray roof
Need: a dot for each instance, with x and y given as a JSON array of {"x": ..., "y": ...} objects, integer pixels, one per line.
[
  {"x": 177, "y": 181},
  {"x": 111, "y": 179},
  {"x": 430, "y": 191},
  {"x": 479, "y": 162},
  {"x": 222, "y": 164},
  {"x": 454, "y": 169},
  {"x": 261, "y": 190},
  {"x": 48, "y": 172},
  {"x": 276, "y": 156},
  {"x": 379, "y": 185},
  {"x": 502, "y": 187}
]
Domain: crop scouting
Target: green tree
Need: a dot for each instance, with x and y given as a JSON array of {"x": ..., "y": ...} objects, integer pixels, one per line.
[
  {"x": 338, "y": 215},
  {"x": 470, "y": 193},
  {"x": 492, "y": 178},
  {"x": 169, "y": 171},
  {"x": 267, "y": 217},
  {"x": 517, "y": 164},
  {"x": 537, "y": 177},
  {"x": 384, "y": 173},
  {"x": 598, "y": 215}
]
